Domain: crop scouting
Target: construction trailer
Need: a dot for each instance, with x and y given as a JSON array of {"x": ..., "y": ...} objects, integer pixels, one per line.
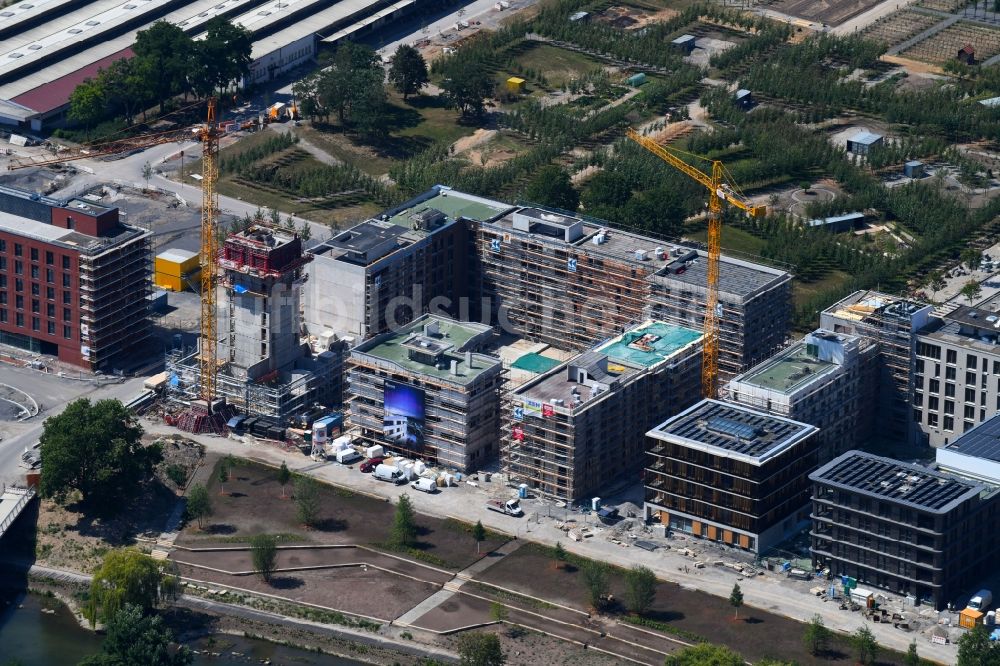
[{"x": 175, "y": 269}]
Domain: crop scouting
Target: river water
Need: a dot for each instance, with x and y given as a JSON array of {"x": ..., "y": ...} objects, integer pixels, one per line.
[{"x": 39, "y": 631}]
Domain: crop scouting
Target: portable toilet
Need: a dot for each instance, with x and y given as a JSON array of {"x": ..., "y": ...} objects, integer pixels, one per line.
[
  {"x": 522, "y": 491},
  {"x": 515, "y": 84},
  {"x": 636, "y": 80},
  {"x": 595, "y": 504}
]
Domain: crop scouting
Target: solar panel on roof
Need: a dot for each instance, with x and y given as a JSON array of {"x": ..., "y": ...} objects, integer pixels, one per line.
[{"x": 731, "y": 427}]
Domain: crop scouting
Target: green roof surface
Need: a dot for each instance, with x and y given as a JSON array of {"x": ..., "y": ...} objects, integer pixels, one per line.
[
  {"x": 535, "y": 363},
  {"x": 788, "y": 371},
  {"x": 671, "y": 339},
  {"x": 454, "y": 333},
  {"x": 451, "y": 205}
]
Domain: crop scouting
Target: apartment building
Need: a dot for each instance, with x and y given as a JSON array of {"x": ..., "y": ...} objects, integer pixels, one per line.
[
  {"x": 425, "y": 391},
  {"x": 570, "y": 281},
  {"x": 957, "y": 374},
  {"x": 902, "y": 527},
  {"x": 891, "y": 323},
  {"x": 731, "y": 474},
  {"x": 385, "y": 272},
  {"x": 74, "y": 280},
  {"x": 826, "y": 379},
  {"x": 581, "y": 425}
]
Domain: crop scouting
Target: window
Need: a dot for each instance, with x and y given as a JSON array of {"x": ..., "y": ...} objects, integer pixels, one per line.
[
  {"x": 970, "y": 395},
  {"x": 920, "y": 366},
  {"x": 3, "y": 263},
  {"x": 3, "y": 298},
  {"x": 67, "y": 332},
  {"x": 949, "y": 423},
  {"x": 34, "y": 254},
  {"x": 935, "y": 386},
  {"x": 918, "y": 398},
  {"x": 50, "y": 276},
  {"x": 949, "y": 373},
  {"x": 18, "y": 268},
  {"x": 970, "y": 361},
  {"x": 949, "y": 406},
  {"x": 18, "y": 250},
  {"x": 3, "y": 316},
  {"x": 51, "y": 327},
  {"x": 35, "y": 289},
  {"x": 65, "y": 262},
  {"x": 932, "y": 403},
  {"x": 67, "y": 298},
  {"x": 50, "y": 310},
  {"x": 18, "y": 284},
  {"x": 19, "y": 302},
  {"x": 50, "y": 258},
  {"x": 928, "y": 351},
  {"x": 67, "y": 314},
  {"x": 36, "y": 324},
  {"x": 19, "y": 319},
  {"x": 952, "y": 356},
  {"x": 35, "y": 306},
  {"x": 970, "y": 412},
  {"x": 50, "y": 293},
  {"x": 996, "y": 367},
  {"x": 66, "y": 284},
  {"x": 34, "y": 272},
  {"x": 932, "y": 420},
  {"x": 970, "y": 378},
  {"x": 949, "y": 390},
  {"x": 968, "y": 425},
  {"x": 3, "y": 246}
]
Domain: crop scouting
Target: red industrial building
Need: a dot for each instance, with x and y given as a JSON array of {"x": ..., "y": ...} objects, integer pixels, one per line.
[{"x": 74, "y": 280}]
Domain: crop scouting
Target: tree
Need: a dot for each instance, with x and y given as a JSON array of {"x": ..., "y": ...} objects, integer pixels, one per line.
[
  {"x": 478, "y": 533},
  {"x": 147, "y": 173},
  {"x": 805, "y": 185},
  {"x": 971, "y": 290},
  {"x": 284, "y": 476},
  {"x": 87, "y": 104},
  {"x": 353, "y": 86},
  {"x": 705, "y": 654},
  {"x": 96, "y": 449},
  {"x": 640, "y": 589},
  {"x": 560, "y": 554},
  {"x": 404, "y": 527},
  {"x": 480, "y": 649},
  {"x": 408, "y": 73},
  {"x": 466, "y": 85},
  {"x": 935, "y": 282},
  {"x": 135, "y": 640},
  {"x": 223, "y": 475},
  {"x": 736, "y": 598},
  {"x": 126, "y": 84},
  {"x": 816, "y": 636},
  {"x": 223, "y": 57},
  {"x": 595, "y": 579},
  {"x": 264, "y": 553},
  {"x": 199, "y": 504},
  {"x": 551, "y": 186},
  {"x": 125, "y": 577},
  {"x": 865, "y": 645},
  {"x": 976, "y": 649},
  {"x": 911, "y": 658},
  {"x": 607, "y": 189},
  {"x": 971, "y": 257},
  {"x": 307, "y": 501},
  {"x": 169, "y": 52}
]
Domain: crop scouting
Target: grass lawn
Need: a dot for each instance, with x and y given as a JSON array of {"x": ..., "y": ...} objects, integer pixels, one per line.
[
  {"x": 411, "y": 127},
  {"x": 340, "y": 216},
  {"x": 558, "y": 65},
  {"x": 733, "y": 239},
  {"x": 803, "y": 291}
]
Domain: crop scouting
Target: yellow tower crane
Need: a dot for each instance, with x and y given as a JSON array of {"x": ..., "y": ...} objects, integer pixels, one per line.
[
  {"x": 721, "y": 188},
  {"x": 208, "y": 134}
]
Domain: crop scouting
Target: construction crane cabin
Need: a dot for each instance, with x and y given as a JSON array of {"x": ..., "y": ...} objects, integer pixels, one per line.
[{"x": 721, "y": 188}]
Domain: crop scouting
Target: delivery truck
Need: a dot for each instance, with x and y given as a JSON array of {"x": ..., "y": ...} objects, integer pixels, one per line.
[
  {"x": 510, "y": 507},
  {"x": 389, "y": 473}
]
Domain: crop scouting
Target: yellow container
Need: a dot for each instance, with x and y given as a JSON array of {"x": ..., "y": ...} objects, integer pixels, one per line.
[
  {"x": 515, "y": 84},
  {"x": 172, "y": 266}
]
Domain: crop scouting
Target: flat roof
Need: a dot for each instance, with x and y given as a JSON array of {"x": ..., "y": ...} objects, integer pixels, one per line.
[
  {"x": 561, "y": 391},
  {"x": 983, "y": 441},
  {"x": 365, "y": 22},
  {"x": 650, "y": 343},
  {"x": 864, "y": 303},
  {"x": 83, "y": 243},
  {"x": 176, "y": 255},
  {"x": 894, "y": 481},
  {"x": 732, "y": 431},
  {"x": 453, "y": 204},
  {"x": 818, "y": 222},
  {"x": 788, "y": 371},
  {"x": 395, "y": 346}
]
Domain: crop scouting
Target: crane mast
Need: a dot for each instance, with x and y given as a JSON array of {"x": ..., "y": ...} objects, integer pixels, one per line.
[
  {"x": 207, "y": 358},
  {"x": 720, "y": 189}
]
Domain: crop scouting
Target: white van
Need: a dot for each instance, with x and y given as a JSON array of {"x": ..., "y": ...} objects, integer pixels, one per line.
[
  {"x": 389, "y": 473},
  {"x": 347, "y": 456},
  {"x": 424, "y": 485}
]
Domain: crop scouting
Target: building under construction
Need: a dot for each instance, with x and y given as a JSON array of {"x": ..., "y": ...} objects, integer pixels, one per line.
[
  {"x": 580, "y": 426},
  {"x": 569, "y": 281},
  {"x": 266, "y": 368},
  {"x": 892, "y": 323}
]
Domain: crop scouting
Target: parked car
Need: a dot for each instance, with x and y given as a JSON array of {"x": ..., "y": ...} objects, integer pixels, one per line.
[
  {"x": 369, "y": 465},
  {"x": 425, "y": 485}
]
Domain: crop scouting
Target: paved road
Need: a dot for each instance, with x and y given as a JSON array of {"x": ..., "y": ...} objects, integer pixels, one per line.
[{"x": 466, "y": 503}]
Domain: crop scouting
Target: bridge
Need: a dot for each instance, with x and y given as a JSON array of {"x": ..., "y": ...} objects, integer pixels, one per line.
[{"x": 13, "y": 500}]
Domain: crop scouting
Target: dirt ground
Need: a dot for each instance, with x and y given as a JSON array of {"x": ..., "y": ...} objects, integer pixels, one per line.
[
  {"x": 71, "y": 539},
  {"x": 758, "y": 634},
  {"x": 830, "y": 12},
  {"x": 253, "y": 504}
]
